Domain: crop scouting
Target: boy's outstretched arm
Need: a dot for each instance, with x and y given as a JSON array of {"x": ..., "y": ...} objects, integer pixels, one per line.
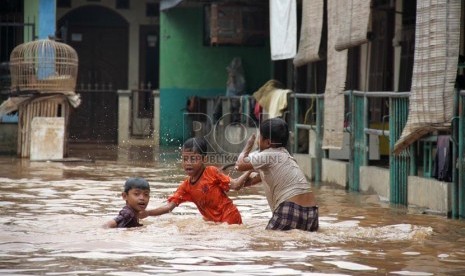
[
  {"x": 238, "y": 183},
  {"x": 243, "y": 162},
  {"x": 253, "y": 179},
  {"x": 168, "y": 207},
  {"x": 110, "y": 224}
]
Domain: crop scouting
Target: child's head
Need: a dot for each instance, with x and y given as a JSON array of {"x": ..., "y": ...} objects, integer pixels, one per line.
[
  {"x": 276, "y": 131},
  {"x": 194, "y": 151},
  {"x": 196, "y": 145},
  {"x": 136, "y": 193},
  {"x": 136, "y": 183}
]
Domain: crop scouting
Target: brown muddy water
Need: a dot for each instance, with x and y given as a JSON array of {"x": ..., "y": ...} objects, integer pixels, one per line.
[{"x": 52, "y": 212}]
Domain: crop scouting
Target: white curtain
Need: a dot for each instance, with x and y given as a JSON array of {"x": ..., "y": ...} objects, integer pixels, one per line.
[{"x": 283, "y": 29}]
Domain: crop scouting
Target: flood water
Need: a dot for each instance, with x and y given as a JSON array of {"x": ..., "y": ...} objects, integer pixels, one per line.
[{"x": 52, "y": 212}]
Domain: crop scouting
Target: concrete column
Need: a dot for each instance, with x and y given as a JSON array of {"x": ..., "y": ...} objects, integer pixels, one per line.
[
  {"x": 156, "y": 116},
  {"x": 124, "y": 115},
  {"x": 133, "y": 63}
]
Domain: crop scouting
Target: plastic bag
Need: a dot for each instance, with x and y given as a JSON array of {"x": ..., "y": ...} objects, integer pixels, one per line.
[{"x": 236, "y": 81}]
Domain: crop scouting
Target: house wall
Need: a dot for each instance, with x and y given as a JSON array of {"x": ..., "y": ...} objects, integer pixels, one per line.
[
  {"x": 43, "y": 13},
  {"x": 8, "y": 138},
  {"x": 188, "y": 68},
  {"x": 427, "y": 194},
  {"x": 135, "y": 16}
]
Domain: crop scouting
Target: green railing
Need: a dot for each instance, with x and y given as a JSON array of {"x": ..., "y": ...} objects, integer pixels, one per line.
[
  {"x": 458, "y": 176},
  {"x": 359, "y": 131},
  {"x": 358, "y": 156},
  {"x": 317, "y": 107},
  {"x": 401, "y": 165}
]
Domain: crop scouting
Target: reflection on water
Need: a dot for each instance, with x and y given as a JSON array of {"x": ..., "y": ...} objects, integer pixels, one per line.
[{"x": 52, "y": 214}]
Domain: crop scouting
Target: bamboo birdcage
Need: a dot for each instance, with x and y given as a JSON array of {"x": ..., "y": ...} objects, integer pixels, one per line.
[{"x": 43, "y": 66}]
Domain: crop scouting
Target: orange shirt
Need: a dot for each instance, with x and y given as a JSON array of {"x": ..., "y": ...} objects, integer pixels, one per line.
[{"x": 209, "y": 195}]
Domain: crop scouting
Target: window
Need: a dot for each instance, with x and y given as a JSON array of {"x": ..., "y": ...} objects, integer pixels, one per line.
[
  {"x": 228, "y": 24},
  {"x": 152, "y": 9},
  {"x": 64, "y": 3},
  {"x": 122, "y": 4}
]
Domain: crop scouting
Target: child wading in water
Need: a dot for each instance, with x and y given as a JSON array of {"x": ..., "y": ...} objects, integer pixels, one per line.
[
  {"x": 286, "y": 188},
  {"x": 205, "y": 186},
  {"x": 136, "y": 194}
]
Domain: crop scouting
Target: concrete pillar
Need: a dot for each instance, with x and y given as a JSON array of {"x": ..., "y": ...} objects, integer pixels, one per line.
[
  {"x": 124, "y": 115},
  {"x": 125, "y": 101},
  {"x": 133, "y": 63},
  {"x": 156, "y": 117}
]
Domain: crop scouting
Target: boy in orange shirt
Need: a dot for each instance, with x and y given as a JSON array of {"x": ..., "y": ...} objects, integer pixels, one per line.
[{"x": 205, "y": 186}]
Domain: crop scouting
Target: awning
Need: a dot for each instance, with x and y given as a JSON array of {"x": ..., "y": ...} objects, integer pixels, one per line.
[{"x": 168, "y": 4}]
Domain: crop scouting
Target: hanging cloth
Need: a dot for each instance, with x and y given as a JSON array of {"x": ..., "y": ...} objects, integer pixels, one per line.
[
  {"x": 311, "y": 45},
  {"x": 283, "y": 29},
  {"x": 437, "y": 40},
  {"x": 354, "y": 23},
  {"x": 333, "y": 133},
  {"x": 442, "y": 170}
]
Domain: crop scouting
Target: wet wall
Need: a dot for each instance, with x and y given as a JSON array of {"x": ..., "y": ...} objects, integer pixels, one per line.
[
  {"x": 44, "y": 13},
  {"x": 190, "y": 68}
]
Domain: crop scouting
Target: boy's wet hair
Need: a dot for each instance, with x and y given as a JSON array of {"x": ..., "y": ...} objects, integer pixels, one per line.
[
  {"x": 276, "y": 130},
  {"x": 136, "y": 183},
  {"x": 196, "y": 144}
]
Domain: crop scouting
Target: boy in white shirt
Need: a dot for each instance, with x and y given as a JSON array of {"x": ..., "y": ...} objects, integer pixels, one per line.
[{"x": 287, "y": 190}]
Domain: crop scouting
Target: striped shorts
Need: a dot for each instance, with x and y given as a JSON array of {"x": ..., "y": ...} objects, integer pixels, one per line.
[{"x": 289, "y": 216}]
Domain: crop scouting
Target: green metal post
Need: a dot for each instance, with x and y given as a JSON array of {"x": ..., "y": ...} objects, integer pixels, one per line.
[
  {"x": 358, "y": 139},
  {"x": 461, "y": 152},
  {"x": 351, "y": 151},
  {"x": 398, "y": 164},
  {"x": 392, "y": 138},
  {"x": 296, "y": 129},
  {"x": 459, "y": 180},
  {"x": 319, "y": 138},
  {"x": 456, "y": 198},
  {"x": 413, "y": 160}
]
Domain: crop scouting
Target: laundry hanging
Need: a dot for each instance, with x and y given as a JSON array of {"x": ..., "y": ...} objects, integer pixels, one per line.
[
  {"x": 333, "y": 132},
  {"x": 311, "y": 45},
  {"x": 354, "y": 24},
  {"x": 283, "y": 29},
  {"x": 437, "y": 40}
]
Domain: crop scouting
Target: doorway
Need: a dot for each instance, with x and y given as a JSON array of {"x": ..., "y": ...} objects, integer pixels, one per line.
[{"x": 100, "y": 38}]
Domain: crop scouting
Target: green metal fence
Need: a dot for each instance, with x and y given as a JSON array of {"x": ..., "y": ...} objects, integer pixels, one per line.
[
  {"x": 358, "y": 129},
  {"x": 317, "y": 126},
  {"x": 458, "y": 185},
  {"x": 401, "y": 165}
]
